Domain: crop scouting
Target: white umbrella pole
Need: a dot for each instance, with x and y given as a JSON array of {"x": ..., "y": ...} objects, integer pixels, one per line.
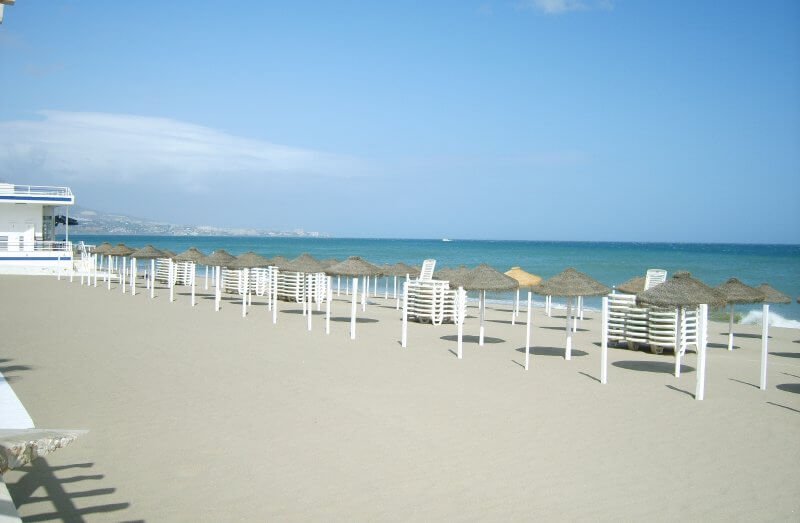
[
  {"x": 404, "y": 333},
  {"x": 347, "y": 285},
  {"x": 375, "y": 287},
  {"x": 394, "y": 295},
  {"x": 152, "y": 278},
  {"x": 96, "y": 268},
  {"x": 364, "y": 289},
  {"x": 206, "y": 277},
  {"x": 580, "y": 309},
  {"x": 123, "y": 275},
  {"x": 133, "y": 276},
  {"x": 678, "y": 342},
  {"x": 568, "y": 348},
  {"x": 108, "y": 271},
  {"x": 217, "y": 296},
  {"x": 194, "y": 275},
  {"x": 328, "y": 299},
  {"x": 338, "y": 285},
  {"x": 461, "y": 314},
  {"x": 310, "y": 278},
  {"x": 171, "y": 280},
  {"x": 353, "y": 307},
  {"x": 482, "y": 314},
  {"x": 243, "y": 274},
  {"x": 386, "y": 288},
  {"x": 274, "y": 296},
  {"x": 515, "y": 309},
  {"x": 604, "y": 343},
  {"x": 764, "y": 345},
  {"x": 527, "y": 332},
  {"x": 730, "y": 330},
  {"x": 318, "y": 279},
  {"x": 702, "y": 327}
]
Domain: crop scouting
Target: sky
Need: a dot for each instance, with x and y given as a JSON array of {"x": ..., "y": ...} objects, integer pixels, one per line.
[{"x": 595, "y": 120}]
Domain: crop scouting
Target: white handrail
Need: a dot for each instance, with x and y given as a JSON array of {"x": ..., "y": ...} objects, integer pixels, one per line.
[{"x": 34, "y": 190}]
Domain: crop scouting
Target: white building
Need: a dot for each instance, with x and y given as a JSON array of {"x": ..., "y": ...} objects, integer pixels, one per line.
[{"x": 28, "y": 229}]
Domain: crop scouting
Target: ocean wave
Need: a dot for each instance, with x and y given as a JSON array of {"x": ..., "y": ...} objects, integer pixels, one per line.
[{"x": 775, "y": 320}]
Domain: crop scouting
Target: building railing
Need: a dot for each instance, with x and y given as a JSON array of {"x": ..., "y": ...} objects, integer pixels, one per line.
[
  {"x": 8, "y": 189},
  {"x": 35, "y": 246}
]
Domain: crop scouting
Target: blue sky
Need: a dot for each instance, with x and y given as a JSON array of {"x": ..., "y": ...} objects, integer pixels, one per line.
[{"x": 552, "y": 119}]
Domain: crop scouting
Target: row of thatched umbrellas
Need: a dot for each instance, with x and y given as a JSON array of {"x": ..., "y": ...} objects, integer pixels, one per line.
[{"x": 681, "y": 291}]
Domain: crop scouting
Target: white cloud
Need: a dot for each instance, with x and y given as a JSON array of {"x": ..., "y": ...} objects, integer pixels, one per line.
[
  {"x": 555, "y": 7},
  {"x": 117, "y": 148}
]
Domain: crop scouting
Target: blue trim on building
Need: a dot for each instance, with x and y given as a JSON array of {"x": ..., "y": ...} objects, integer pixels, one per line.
[{"x": 38, "y": 198}]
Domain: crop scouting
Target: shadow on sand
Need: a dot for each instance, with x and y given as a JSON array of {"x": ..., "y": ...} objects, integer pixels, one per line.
[
  {"x": 664, "y": 367},
  {"x": 552, "y": 351},
  {"x": 346, "y": 319},
  {"x": 794, "y": 388},
  {"x": 40, "y": 477},
  {"x": 469, "y": 338}
]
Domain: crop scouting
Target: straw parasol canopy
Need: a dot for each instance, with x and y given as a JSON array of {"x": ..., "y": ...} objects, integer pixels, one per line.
[
  {"x": 681, "y": 291},
  {"x": 571, "y": 283},
  {"x": 249, "y": 260},
  {"x": 103, "y": 248},
  {"x": 485, "y": 278},
  {"x": 120, "y": 249},
  {"x": 168, "y": 253},
  {"x": 353, "y": 266},
  {"x": 304, "y": 263},
  {"x": 402, "y": 269},
  {"x": 525, "y": 279},
  {"x": 632, "y": 286},
  {"x": 147, "y": 253},
  {"x": 457, "y": 276},
  {"x": 192, "y": 254},
  {"x": 737, "y": 292},
  {"x": 330, "y": 262},
  {"x": 279, "y": 261},
  {"x": 772, "y": 295},
  {"x": 218, "y": 258}
]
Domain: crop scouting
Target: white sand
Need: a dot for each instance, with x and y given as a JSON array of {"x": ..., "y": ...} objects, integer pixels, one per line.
[{"x": 203, "y": 416}]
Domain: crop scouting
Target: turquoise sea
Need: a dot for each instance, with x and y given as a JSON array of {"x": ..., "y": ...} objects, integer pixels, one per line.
[{"x": 609, "y": 262}]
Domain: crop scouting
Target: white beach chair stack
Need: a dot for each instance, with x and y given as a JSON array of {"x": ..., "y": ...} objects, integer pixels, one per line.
[
  {"x": 429, "y": 300},
  {"x": 627, "y": 323}
]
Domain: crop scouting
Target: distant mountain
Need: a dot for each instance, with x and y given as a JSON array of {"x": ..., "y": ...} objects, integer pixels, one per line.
[{"x": 95, "y": 222}]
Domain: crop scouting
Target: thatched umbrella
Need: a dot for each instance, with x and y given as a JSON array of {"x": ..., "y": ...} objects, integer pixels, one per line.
[
  {"x": 121, "y": 250},
  {"x": 399, "y": 270},
  {"x": 145, "y": 253},
  {"x": 305, "y": 266},
  {"x": 570, "y": 284},
  {"x": 354, "y": 267},
  {"x": 329, "y": 262},
  {"x": 193, "y": 256},
  {"x": 632, "y": 286},
  {"x": 484, "y": 278},
  {"x": 679, "y": 292},
  {"x": 772, "y": 295},
  {"x": 305, "y": 263},
  {"x": 526, "y": 280},
  {"x": 100, "y": 251},
  {"x": 249, "y": 260},
  {"x": 279, "y": 261},
  {"x": 218, "y": 259},
  {"x": 737, "y": 292},
  {"x": 168, "y": 254}
]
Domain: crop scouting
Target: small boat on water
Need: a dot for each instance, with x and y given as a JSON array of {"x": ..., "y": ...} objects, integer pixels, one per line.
[{"x": 446, "y": 240}]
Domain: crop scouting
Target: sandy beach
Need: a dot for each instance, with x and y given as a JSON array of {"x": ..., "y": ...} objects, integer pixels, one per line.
[{"x": 196, "y": 415}]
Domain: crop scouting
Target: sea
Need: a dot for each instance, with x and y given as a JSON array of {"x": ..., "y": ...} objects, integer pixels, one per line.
[{"x": 611, "y": 263}]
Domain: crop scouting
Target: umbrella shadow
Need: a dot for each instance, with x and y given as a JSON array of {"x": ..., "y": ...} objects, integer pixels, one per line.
[
  {"x": 469, "y": 338},
  {"x": 358, "y": 319},
  {"x": 552, "y": 351},
  {"x": 580, "y": 329},
  {"x": 39, "y": 477},
  {"x": 507, "y": 322},
  {"x": 659, "y": 367},
  {"x": 744, "y": 335},
  {"x": 5, "y": 370},
  {"x": 794, "y": 388},
  {"x": 786, "y": 354},
  {"x": 720, "y": 346}
]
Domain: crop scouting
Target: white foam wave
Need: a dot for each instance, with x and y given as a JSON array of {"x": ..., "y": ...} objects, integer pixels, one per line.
[{"x": 775, "y": 320}]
